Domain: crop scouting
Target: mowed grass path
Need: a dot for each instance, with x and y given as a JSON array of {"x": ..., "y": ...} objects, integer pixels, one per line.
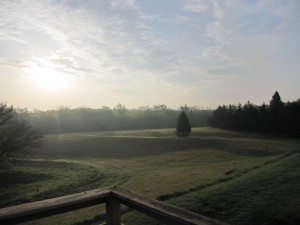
[{"x": 156, "y": 163}]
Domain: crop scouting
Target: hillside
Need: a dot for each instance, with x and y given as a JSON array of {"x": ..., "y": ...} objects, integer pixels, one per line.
[{"x": 234, "y": 177}]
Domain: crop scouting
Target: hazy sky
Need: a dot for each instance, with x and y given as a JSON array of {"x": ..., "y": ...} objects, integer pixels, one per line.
[{"x": 98, "y": 53}]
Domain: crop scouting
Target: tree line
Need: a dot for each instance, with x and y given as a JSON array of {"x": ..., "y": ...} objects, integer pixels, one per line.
[
  {"x": 277, "y": 117},
  {"x": 64, "y": 119},
  {"x": 20, "y": 129}
]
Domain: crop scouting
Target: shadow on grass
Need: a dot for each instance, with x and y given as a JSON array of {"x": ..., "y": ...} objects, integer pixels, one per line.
[{"x": 19, "y": 177}]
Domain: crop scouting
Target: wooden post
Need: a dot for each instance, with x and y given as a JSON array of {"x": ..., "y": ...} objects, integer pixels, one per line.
[{"x": 113, "y": 211}]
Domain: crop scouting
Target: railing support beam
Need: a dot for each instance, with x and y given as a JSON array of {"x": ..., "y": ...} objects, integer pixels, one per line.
[{"x": 113, "y": 211}]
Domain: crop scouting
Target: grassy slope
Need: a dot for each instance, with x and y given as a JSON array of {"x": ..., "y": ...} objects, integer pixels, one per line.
[
  {"x": 261, "y": 196},
  {"x": 264, "y": 196},
  {"x": 217, "y": 173}
]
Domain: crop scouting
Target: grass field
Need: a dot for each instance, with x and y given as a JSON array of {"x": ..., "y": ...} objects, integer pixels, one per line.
[{"x": 235, "y": 177}]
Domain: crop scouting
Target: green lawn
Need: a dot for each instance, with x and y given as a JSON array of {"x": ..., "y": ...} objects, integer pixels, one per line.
[{"x": 236, "y": 177}]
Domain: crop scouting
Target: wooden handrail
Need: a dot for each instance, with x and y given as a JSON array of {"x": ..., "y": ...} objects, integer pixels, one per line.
[
  {"x": 53, "y": 206},
  {"x": 162, "y": 211},
  {"x": 113, "y": 197}
]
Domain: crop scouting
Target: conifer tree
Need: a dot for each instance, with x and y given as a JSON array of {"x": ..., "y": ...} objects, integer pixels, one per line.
[
  {"x": 276, "y": 104},
  {"x": 183, "y": 127}
]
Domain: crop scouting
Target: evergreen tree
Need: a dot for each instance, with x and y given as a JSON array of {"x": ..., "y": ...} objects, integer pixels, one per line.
[
  {"x": 276, "y": 114},
  {"x": 183, "y": 127},
  {"x": 276, "y": 105},
  {"x": 276, "y": 118}
]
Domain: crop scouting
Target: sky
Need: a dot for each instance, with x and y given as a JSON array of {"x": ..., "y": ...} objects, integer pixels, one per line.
[{"x": 94, "y": 53}]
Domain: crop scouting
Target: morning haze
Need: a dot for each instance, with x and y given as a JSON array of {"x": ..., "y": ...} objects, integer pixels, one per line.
[{"x": 185, "y": 110}]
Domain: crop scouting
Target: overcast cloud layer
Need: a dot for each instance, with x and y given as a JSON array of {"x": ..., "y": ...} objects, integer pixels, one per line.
[{"x": 143, "y": 52}]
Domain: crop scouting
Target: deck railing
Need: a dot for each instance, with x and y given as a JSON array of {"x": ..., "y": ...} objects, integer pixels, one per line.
[{"x": 113, "y": 198}]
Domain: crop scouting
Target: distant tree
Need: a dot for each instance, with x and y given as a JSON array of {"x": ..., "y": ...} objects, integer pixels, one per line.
[
  {"x": 276, "y": 118},
  {"x": 120, "y": 108},
  {"x": 5, "y": 113},
  {"x": 276, "y": 104},
  {"x": 184, "y": 108},
  {"x": 276, "y": 109},
  {"x": 15, "y": 135},
  {"x": 183, "y": 127},
  {"x": 62, "y": 120}
]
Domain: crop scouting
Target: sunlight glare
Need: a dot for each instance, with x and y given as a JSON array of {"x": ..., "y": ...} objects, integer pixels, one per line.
[{"x": 49, "y": 79}]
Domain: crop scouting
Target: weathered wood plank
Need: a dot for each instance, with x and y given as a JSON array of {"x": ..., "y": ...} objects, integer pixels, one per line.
[
  {"x": 163, "y": 212},
  {"x": 35, "y": 210},
  {"x": 113, "y": 197}
]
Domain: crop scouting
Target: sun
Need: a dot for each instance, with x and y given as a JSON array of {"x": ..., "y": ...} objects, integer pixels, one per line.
[{"x": 49, "y": 79}]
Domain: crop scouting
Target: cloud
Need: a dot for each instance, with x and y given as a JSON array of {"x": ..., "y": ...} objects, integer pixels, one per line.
[
  {"x": 97, "y": 38},
  {"x": 214, "y": 29},
  {"x": 249, "y": 32},
  {"x": 183, "y": 19},
  {"x": 201, "y": 6},
  {"x": 198, "y": 6},
  {"x": 97, "y": 33},
  {"x": 214, "y": 53},
  {"x": 218, "y": 33},
  {"x": 231, "y": 70},
  {"x": 217, "y": 10},
  {"x": 124, "y": 45},
  {"x": 16, "y": 63}
]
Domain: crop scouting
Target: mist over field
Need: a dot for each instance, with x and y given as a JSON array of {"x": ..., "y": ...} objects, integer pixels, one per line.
[
  {"x": 188, "y": 103},
  {"x": 81, "y": 119}
]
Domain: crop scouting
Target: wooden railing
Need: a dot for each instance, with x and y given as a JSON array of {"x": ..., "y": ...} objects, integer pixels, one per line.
[{"x": 113, "y": 198}]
